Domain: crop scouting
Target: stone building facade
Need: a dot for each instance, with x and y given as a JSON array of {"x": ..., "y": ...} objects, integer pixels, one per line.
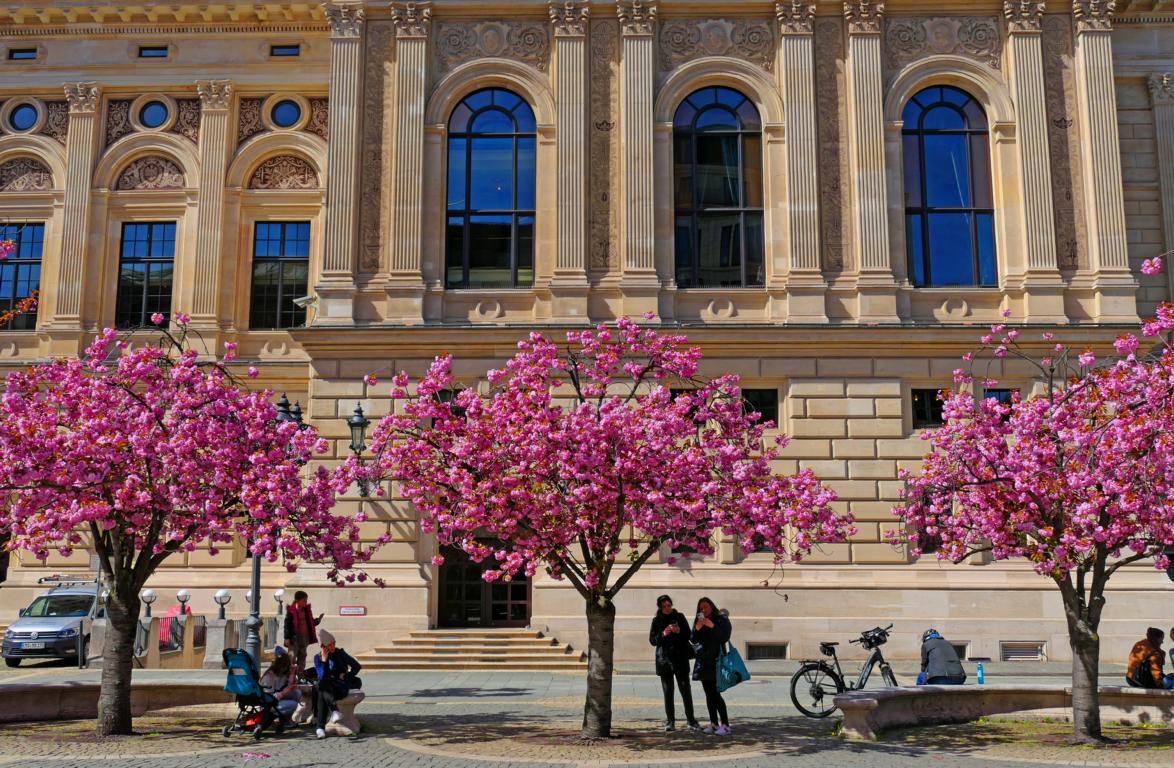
[{"x": 830, "y": 197}]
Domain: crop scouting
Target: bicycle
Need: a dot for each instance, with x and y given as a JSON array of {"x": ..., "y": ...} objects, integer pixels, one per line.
[{"x": 816, "y": 684}]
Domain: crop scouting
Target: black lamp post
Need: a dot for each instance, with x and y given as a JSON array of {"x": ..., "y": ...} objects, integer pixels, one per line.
[{"x": 358, "y": 424}]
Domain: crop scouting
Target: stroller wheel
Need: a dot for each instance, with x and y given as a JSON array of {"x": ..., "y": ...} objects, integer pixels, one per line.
[
  {"x": 226, "y": 730},
  {"x": 257, "y": 732}
]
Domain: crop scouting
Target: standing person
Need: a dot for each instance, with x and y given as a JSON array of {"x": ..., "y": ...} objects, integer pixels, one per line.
[
  {"x": 670, "y": 635},
  {"x": 280, "y": 681},
  {"x": 939, "y": 661},
  {"x": 300, "y": 626},
  {"x": 336, "y": 676},
  {"x": 711, "y": 631},
  {"x": 1146, "y": 660}
]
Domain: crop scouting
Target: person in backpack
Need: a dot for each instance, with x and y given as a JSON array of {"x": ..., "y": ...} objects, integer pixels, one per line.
[
  {"x": 939, "y": 661},
  {"x": 711, "y": 631},
  {"x": 1146, "y": 660},
  {"x": 670, "y": 635},
  {"x": 299, "y": 629}
]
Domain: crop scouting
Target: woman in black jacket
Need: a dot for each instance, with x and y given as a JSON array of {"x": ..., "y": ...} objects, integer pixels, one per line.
[
  {"x": 670, "y": 635},
  {"x": 711, "y": 631}
]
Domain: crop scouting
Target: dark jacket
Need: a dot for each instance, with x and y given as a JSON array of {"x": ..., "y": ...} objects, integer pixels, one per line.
[
  {"x": 337, "y": 673},
  {"x": 708, "y": 642},
  {"x": 672, "y": 651},
  {"x": 939, "y": 659},
  {"x": 310, "y": 622}
]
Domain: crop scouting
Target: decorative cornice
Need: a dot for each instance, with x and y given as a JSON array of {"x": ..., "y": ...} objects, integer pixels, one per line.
[
  {"x": 412, "y": 19},
  {"x": 214, "y": 94},
  {"x": 345, "y": 20},
  {"x": 569, "y": 18},
  {"x": 637, "y": 17},
  {"x": 865, "y": 17},
  {"x": 1094, "y": 15},
  {"x": 1024, "y": 15},
  {"x": 796, "y": 17},
  {"x": 1162, "y": 88},
  {"x": 83, "y": 97}
]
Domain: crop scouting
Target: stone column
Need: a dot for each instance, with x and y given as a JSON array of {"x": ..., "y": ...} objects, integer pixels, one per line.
[
  {"x": 336, "y": 282},
  {"x": 405, "y": 286},
  {"x": 1096, "y": 95},
  {"x": 572, "y": 102},
  {"x": 805, "y": 286},
  {"x": 876, "y": 288},
  {"x": 1162, "y": 95},
  {"x": 1043, "y": 291},
  {"x": 80, "y": 146},
  {"x": 640, "y": 285},
  {"x": 215, "y": 101}
]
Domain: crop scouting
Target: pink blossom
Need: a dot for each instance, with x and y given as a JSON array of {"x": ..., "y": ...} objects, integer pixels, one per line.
[
  {"x": 1087, "y": 358},
  {"x": 1152, "y": 266},
  {"x": 370, "y": 380},
  {"x": 182, "y": 318},
  {"x": 157, "y": 318},
  {"x": 253, "y": 372},
  {"x": 1126, "y": 344},
  {"x": 438, "y": 560}
]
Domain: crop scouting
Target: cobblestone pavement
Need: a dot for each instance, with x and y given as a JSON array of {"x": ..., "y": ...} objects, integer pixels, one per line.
[{"x": 461, "y": 720}]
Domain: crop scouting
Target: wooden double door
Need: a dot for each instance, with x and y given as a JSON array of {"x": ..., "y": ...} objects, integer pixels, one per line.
[{"x": 467, "y": 600}]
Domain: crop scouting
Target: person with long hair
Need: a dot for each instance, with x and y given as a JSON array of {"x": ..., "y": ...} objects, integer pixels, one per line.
[
  {"x": 281, "y": 681},
  {"x": 711, "y": 631}
]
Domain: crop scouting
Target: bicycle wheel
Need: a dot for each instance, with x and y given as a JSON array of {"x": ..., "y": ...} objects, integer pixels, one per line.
[
  {"x": 889, "y": 678},
  {"x": 813, "y": 687}
]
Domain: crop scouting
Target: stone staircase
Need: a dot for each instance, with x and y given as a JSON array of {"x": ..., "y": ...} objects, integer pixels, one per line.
[{"x": 492, "y": 649}]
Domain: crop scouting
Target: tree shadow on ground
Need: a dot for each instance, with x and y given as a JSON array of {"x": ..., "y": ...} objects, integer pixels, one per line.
[{"x": 467, "y": 693}]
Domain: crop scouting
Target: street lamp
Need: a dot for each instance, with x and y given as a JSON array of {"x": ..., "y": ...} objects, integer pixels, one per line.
[
  {"x": 183, "y": 596},
  {"x": 222, "y": 598},
  {"x": 358, "y": 424},
  {"x": 148, "y": 597},
  {"x": 279, "y": 597}
]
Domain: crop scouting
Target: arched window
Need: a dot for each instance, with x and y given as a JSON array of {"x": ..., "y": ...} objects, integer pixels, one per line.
[
  {"x": 489, "y": 240},
  {"x": 949, "y": 216},
  {"x": 717, "y": 178}
]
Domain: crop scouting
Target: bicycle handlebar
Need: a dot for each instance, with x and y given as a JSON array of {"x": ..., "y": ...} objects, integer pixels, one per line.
[{"x": 867, "y": 631}]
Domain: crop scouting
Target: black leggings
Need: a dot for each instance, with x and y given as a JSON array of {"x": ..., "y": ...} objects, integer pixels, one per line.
[
  {"x": 715, "y": 703},
  {"x": 324, "y": 704},
  {"x": 686, "y": 687}
]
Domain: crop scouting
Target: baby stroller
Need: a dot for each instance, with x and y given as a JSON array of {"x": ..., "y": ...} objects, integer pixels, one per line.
[{"x": 257, "y": 709}]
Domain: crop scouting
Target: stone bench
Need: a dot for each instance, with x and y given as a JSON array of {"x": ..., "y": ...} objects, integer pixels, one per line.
[
  {"x": 43, "y": 702},
  {"x": 869, "y": 712},
  {"x": 348, "y": 723}
]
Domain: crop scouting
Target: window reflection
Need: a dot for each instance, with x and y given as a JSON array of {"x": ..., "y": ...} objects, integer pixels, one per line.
[
  {"x": 949, "y": 214},
  {"x": 489, "y": 239}
]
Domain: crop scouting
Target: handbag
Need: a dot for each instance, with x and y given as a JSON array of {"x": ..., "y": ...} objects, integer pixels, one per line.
[{"x": 731, "y": 670}]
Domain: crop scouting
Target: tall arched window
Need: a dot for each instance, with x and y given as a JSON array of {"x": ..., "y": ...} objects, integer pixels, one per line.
[
  {"x": 489, "y": 240},
  {"x": 949, "y": 216},
  {"x": 717, "y": 176}
]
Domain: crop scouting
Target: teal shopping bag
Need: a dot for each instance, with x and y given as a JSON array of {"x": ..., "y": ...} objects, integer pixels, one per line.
[{"x": 731, "y": 670}]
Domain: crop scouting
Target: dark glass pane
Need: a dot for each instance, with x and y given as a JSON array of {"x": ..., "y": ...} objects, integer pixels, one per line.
[
  {"x": 729, "y": 97},
  {"x": 493, "y": 121},
  {"x": 748, "y": 114},
  {"x": 473, "y": 592},
  {"x": 717, "y": 171},
  {"x": 454, "y": 245},
  {"x": 286, "y": 113},
  {"x": 975, "y": 116},
  {"x": 980, "y": 169},
  {"x": 518, "y": 612},
  {"x": 263, "y": 300},
  {"x": 987, "y": 265},
  {"x": 500, "y": 591},
  {"x": 955, "y": 96},
  {"x": 524, "y": 118},
  {"x": 947, "y": 183},
  {"x": 518, "y": 592},
  {"x": 525, "y": 250},
  {"x": 927, "y": 408},
  {"x": 489, "y": 251},
  {"x": 911, "y": 154},
  {"x": 23, "y": 117},
  {"x": 457, "y": 149},
  {"x": 507, "y": 100},
  {"x": 480, "y": 99},
  {"x": 491, "y": 176},
  {"x": 684, "y": 116},
  {"x": 682, "y": 171},
  {"x": 459, "y": 121},
  {"x": 752, "y": 171},
  {"x": 683, "y": 245},
  {"x": 942, "y": 118},
  {"x": 153, "y": 114},
  {"x": 951, "y": 251},
  {"x": 913, "y": 246},
  {"x": 526, "y": 174},
  {"x": 911, "y": 116},
  {"x": 755, "y": 274},
  {"x": 765, "y": 402},
  {"x": 719, "y": 250},
  {"x": 499, "y": 612},
  {"x": 716, "y": 119}
]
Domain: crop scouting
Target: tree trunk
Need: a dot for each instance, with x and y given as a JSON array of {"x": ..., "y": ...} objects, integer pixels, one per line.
[
  {"x": 122, "y": 615},
  {"x": 601, "y": 629},
  {"x": 1086, "y": 701}
]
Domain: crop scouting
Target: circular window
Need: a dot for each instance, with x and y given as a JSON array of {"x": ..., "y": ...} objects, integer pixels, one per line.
[
  {"x": 286, "y": 113},
  {"x": 153, "y": 114},
  {"x": 23, "y": 117}
]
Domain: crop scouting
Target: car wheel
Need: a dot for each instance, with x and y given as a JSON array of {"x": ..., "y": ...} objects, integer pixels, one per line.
[{"x": 12, "y": 662}]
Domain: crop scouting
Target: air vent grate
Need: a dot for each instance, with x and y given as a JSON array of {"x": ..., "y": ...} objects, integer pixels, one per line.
[
  {"x": 762, "y": 651},
  {"x": 1023, "y": 651}
]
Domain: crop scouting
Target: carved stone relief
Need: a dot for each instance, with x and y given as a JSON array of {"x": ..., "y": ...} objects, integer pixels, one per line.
[
  {"x": 25, "y": 174},
  {"x": 975, "y": 37},
  {"x": 117, "y": 120},
  {"x": 604, "y": 145},
  {"x": 284, "y": 172},
  {"x": 524, "y": 41},
  {"x": 1064, "y": 142},
  {"x": 682, "y": 40},
  {"x": 151, "y": 173},
  {"x": 249, "y": 119},
  {"x": 831, "y": 118},
  {"x": 187, "y": 119},
  {"x": 375, "y": 180},
  {"x": 56, "y": 120},
  {"x": 319, "y": 122}
]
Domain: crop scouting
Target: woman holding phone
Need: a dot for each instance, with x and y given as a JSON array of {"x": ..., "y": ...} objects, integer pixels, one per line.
[
  {"x": 711, "y": 631},
  {"x": 670, "y": 635}
]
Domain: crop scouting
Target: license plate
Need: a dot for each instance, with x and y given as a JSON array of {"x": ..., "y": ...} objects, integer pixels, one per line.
[{"x": 32, "y": 646}]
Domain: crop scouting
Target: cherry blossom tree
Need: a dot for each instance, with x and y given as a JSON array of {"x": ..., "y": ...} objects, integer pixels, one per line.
[
  {"x": 1076, "y": 479},
  {"x": 582, "y": 462},
  {"x": 147, "y": 452}
]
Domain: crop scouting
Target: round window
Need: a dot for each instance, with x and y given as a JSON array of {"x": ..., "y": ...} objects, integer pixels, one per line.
[
  {"x": 23, "y": 118},
  {"x": 153, "y": 114},
  {"x": 286, "y": 113}
]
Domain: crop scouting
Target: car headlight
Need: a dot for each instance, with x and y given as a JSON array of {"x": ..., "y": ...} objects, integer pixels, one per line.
[
  {"x": 70, "y": 632},
  {"x": 8, "y": 634}
]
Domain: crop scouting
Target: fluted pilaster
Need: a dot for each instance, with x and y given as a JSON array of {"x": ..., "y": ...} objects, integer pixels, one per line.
[
  {"x": 572, "y": 100},
  {"x": 637, "y": 229},
  {"x": 1161, "y": 86},
  {"x": 215, "y": 103},
  {"x": 81, "y": 142}
]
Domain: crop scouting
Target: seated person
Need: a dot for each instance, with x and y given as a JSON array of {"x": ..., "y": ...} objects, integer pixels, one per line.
[
  {"x": 939, "y": 661},
  {"x": 337, "y": 672},
  {"x": 1146, "y": 660},
  {"x": 280, "y": 681}
]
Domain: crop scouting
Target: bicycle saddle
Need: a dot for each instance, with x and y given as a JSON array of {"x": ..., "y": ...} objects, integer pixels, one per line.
[{"x": 827, "y": 649}]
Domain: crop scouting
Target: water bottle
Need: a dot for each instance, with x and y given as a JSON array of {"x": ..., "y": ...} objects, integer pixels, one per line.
[{"x": 981, "y": 676}]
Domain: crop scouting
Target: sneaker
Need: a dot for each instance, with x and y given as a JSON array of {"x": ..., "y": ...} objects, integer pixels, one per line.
[
  {"x": 694, "y": 725},
  {"x": 335, "y": 716},
  {"x": 723, "y": 730},
  {"x": 709, "y": 728},
  {"x": 670, "y": 726},
  {"x": 320, "y": 733}
]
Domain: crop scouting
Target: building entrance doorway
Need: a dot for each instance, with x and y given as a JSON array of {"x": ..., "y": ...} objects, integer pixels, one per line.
[{"x": 467, "y": 600}]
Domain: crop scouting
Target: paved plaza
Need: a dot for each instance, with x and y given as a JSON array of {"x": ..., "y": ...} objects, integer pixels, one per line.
[{"x": 458, "y": 720}]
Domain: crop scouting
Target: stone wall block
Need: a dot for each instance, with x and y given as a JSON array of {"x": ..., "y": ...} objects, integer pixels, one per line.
[
  {"x": 889, "y": 407},
  {"x": 871, "y": 468},
  {"x": 875, "y": 428},
  {"x": 817, "y": 389},
  {"x": 854, "y": 449},
  {"x": 844, "y": 366},
  {"x": 826, "y": 469},
  {"x": 818, "y": 428},
  {"x": 879, "y": 553},
  {"x": 874, "y": 388},
  {"x": 814, "y": 449},
  {"x": 817, "y": 407}
]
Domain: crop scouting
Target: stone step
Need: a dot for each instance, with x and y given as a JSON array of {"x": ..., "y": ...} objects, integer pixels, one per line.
[
  {"x": 512, "y": 649},
  {"x": 469, "y": 656},
  {"x": 527, "y": 666},
  {"x": 489, "y": 634},
  {"x": 469, "y": 642}
]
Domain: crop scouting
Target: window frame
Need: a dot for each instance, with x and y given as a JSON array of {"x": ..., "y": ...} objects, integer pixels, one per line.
[
  {"x": 281, "y": 260},
  {"x": 145, "y": 311},
  {"x": 26, "y": 321},
  {"x": 751, "y": 407},
  {"x": 919, "y": 419}
]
